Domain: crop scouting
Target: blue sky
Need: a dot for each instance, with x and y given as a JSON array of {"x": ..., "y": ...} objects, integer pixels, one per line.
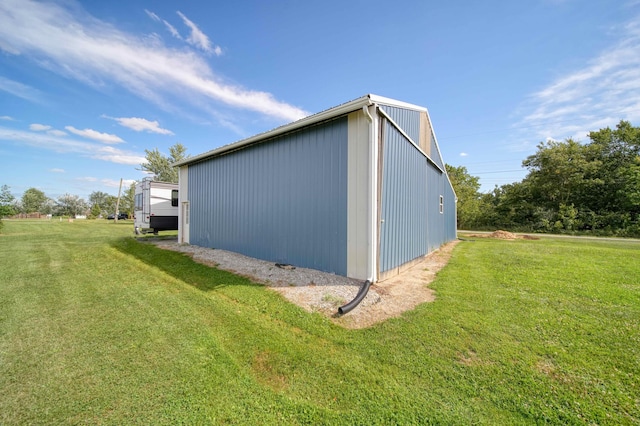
[{"x": 87, "y": 86}]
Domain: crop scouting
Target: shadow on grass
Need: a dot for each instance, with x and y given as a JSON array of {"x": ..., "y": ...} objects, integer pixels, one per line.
[{"x": 180, "y": 266}]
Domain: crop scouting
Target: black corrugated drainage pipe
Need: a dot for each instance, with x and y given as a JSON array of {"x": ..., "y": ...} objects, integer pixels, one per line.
[{"x": 356, "y": 300}]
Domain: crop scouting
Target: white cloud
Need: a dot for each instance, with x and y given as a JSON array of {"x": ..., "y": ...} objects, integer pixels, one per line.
[
  {"x": 115, "y": 183},
  {"x": 39, "y": 127},
  {"x": 16, "y": 88},
  {"x": 7, "y": 118},
  {"x": 140, "y": 125},
  {"x": 199, "y": 39},
  {"x": 173, "y": 30},
  {"x": 46, "y": 128},
  {"x": 56, "y": 170},
  {"x": 110, "y": 183},
  {"x": 95, "y": 135},
  {"x": 463, "y": 154},
  {"x": 72, "y": 146},
  {"x": 152, "y": 15},
  {"x": 56, "y": 132},
  {"x": 170, "y": 27},
  {"x": 96, "y": 53},
  {"x": 605, "y": 90}
]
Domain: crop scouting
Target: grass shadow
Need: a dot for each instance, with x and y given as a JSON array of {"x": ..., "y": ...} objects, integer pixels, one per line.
[{"x": 181, "y": 266}]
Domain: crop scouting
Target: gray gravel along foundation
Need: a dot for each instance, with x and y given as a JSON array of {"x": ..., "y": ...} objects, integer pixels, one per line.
[{"x": 322, "y": 292}]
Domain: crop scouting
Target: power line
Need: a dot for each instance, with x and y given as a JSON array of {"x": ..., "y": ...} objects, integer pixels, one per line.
[
  {"x": 497, "y": 171},
  {"x": 492, "y": 162}
]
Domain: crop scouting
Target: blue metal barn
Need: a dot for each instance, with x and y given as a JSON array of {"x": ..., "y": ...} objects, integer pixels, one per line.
[{"x": 358, "y": 190}]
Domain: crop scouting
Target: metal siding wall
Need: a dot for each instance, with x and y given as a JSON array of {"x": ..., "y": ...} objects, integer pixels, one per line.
[
  {"x": 411, "y": 195},
  {"x": 435, "y": 220},
  {"x": 435, "y": 153},
  {"x": 407, "y": 119},
  {"x": 283, "y": 201},
  {"x": 450, "y": 213},
  {"x": 403, "y": 234}
]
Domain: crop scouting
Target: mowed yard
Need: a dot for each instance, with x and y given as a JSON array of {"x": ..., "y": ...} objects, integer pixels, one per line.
[{"x": 96, "y": 327}]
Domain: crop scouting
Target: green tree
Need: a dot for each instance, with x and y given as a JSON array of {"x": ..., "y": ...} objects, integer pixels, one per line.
[
  {"x": 101, "y": 203},
  {"x": 7, "y": 206},
  {"x": 110, "y": 205},
  {"x": 48, "y": 207},
  {"x": 578, "y": 186},
  {"x": 94, "y": 212},
  {"x": 6, "y": 203},
  {"x": 619, "y": 150},
  {"x": 127, "y": 200},
  {"x": 562, "y": 173},
  {"x": 71, "y": 205},
  {"x": 512, "y": 208},
  {"x": 98, "y": 198},
  {"x": 160, "y": 166},
  {"x": 33, "y": 200},
  {"x": 471, "y": 205}
]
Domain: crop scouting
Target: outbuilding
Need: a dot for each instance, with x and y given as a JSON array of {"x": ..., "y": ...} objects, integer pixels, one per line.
[{"x": 358, "y": 190}]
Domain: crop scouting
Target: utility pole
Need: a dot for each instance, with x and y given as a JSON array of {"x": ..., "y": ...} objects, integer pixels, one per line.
[{"x": 118, "y": 202}]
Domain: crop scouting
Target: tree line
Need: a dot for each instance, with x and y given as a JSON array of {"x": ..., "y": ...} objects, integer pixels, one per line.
[
  {"x": 570, "y": 187},
  {"x": 33, "y": 200},
  {"x": 99, "y": 204}
]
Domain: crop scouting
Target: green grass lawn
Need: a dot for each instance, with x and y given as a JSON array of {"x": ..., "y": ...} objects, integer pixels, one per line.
[{"x": 96, "y": 327}]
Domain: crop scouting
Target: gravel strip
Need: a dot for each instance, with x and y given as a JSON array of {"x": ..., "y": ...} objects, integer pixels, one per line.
[{"x": 312, "y": 289}]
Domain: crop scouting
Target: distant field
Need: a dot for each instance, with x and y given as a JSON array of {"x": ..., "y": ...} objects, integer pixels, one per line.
[{"x": 96, "y": 327}]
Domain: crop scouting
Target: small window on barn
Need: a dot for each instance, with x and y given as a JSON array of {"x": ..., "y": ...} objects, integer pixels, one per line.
[
  {"x": 174, "y": 197},
  {"x": 441, "y": 204}
]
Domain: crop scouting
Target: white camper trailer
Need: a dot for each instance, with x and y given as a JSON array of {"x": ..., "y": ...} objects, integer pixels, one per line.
[{"x": 156, "y": 206}]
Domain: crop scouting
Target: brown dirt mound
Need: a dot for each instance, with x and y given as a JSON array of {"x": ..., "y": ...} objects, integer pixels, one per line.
[{"x": 503, "y": 235}]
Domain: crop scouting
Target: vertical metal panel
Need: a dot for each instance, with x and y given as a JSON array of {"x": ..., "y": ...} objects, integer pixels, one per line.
[
  {"x": 412, "y": 186},
  {"x": 408, "y": 120},
  {"x": 450, "y": 212},
  {"x": 403, "y": 234},
  {"x": 435, "y": 152},
  {"x": 282, "y": 200},
  {"x": 435, "y": 219}
]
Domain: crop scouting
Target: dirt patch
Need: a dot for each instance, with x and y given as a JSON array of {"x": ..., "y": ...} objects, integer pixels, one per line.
[
  {"x": 529, "y": 237},
  {"x": 504, "y": 235},
  {"x": 400, "y": 293},
  {"x": 266, "y": 373},
  {"x": 321, "y": 292},
  {"x": 470, "y": 358}
]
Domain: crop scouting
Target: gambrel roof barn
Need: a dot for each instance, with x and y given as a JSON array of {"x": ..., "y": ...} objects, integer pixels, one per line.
[{"x": 358, "y": 190}]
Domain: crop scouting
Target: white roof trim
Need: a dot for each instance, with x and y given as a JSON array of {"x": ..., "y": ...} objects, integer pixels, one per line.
[{"x": 392, "y": 102}]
